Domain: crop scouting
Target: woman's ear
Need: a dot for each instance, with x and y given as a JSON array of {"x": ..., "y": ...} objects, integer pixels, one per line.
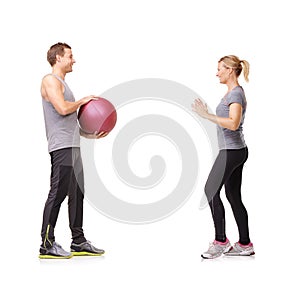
[{"x": 230, "y": 70}]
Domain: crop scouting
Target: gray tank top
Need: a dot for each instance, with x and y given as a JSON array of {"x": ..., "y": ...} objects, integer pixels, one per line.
[
  {"x": 229, "y": 139},
  {"x": 61, "y": 131}
]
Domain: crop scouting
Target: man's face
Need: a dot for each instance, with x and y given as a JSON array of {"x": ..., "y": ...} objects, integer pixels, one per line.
[{"x": 67, "y": 61}]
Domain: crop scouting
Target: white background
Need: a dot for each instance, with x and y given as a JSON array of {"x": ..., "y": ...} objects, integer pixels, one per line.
[{"x": 117, "y": 41}]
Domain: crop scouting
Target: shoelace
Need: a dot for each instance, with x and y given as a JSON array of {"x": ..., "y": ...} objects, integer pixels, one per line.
[
  {"x": 215, "y": 247},
  {"x": 57, "y": 244}
]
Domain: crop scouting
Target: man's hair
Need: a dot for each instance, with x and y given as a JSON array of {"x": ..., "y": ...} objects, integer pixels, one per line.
[{"x": 56, "y": 49}]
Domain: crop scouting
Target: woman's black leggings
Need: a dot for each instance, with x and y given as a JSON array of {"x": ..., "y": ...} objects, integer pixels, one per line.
[{"x": 227, "y": 170}]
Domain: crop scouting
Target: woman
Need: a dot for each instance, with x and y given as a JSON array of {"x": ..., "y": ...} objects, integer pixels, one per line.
[{"x": 228, "y": 166}]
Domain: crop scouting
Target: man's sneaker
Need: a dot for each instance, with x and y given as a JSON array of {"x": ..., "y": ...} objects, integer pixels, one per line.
[
  {"x": 241, "y": 250},
  {"x": 85, "y": 248},
  {"x": 55, "y": 251},
  {"x": 216, "y": 249}
]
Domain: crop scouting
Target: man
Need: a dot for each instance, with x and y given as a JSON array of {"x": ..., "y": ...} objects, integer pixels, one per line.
[{"x": 63, "y": 135}]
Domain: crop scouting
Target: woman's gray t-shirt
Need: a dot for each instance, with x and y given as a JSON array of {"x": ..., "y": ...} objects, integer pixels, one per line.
[{"x": 231, "y": 139}]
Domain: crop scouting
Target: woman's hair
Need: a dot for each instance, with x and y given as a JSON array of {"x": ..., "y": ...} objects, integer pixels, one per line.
[
  {"x": 56, "y": 49},
  {"x": 237, "y": 65}
]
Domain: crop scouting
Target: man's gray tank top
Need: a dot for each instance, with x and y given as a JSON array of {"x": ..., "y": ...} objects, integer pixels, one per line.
[{"x": 61, "y": 131}]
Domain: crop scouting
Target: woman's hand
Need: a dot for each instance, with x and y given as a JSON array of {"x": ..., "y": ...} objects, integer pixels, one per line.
[{"x": 200, "y": 108}]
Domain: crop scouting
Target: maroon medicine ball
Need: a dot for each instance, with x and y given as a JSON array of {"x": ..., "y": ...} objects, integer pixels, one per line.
[{"x": 97, "y": 115}]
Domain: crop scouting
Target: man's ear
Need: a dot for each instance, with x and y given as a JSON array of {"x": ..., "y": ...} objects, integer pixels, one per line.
[{"x": 58, "y": 58}]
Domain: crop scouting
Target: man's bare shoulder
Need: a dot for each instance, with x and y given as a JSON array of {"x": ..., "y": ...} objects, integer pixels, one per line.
[
  {"x": 51, "y": 81},
  {"x": 49, "y": 78},
  {"x": 51, "y": 86}
]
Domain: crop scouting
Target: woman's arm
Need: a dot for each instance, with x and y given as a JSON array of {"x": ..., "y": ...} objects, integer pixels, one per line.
[{"x": 232, "y": 122}]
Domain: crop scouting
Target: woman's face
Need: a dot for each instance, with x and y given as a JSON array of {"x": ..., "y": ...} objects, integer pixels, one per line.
[{"x": 223, "y": 72}]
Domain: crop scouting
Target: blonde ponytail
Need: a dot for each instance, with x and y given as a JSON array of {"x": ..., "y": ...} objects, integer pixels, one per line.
[{"x": 246, "y": 68}]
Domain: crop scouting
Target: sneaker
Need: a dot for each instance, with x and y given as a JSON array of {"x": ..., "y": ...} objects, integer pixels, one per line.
[
  {"x": 55, "y": 251},
  {"x": 85, "y": 248},
  {"x": 241, "y": 250},
  {"x": 216, "y": 249}
]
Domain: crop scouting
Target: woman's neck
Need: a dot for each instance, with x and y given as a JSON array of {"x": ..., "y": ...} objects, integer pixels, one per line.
[{"x": 231, "y": 85}]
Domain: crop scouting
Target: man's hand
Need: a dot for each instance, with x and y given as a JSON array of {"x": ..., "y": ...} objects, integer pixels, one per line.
[
  {"x": 94, "y": 135},
  {"x": 87, "y": 99}
]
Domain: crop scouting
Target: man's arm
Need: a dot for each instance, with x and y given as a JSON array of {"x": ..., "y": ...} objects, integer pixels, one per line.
[{"x": 52, "y": 90}]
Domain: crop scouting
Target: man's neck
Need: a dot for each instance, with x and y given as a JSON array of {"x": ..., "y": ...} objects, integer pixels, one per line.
[{"x": 58, "y": 73}]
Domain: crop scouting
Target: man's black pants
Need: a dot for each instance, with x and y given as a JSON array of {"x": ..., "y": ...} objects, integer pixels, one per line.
[{"x": 66, "y": 180}]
